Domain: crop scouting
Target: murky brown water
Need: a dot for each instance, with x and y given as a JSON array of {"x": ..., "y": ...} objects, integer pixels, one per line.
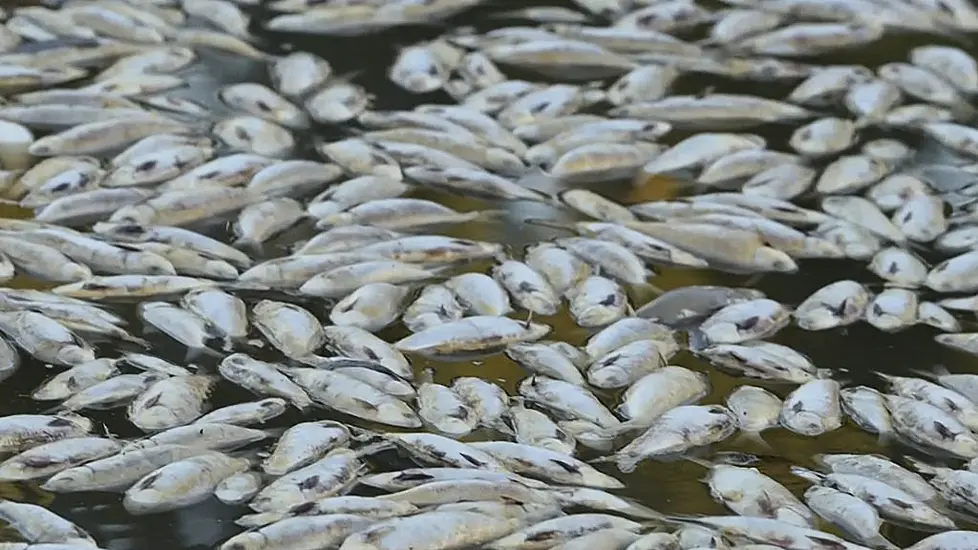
[{"x": 673, "y": 487}]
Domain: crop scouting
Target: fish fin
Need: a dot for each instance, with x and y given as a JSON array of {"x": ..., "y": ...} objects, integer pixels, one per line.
[
  {"x": 346, "y": 77},
  {"x": 602, "y": 459},
  {"x": 241, "y": 285},
  {"x": 919, "y": 247},
  {"x": 363, "y": 435},
  {"x": 141, "y": 342},
  {"x": 491, "y": 215},
  {"x": 698, "y": 461},
  {"x": 649, "y": 287},
  {"x": 536, "y": 177},
  {"x": 921, "y": 466},
  {"x": 108, "y": 433},
  {"x": 755, "y": 439},
  {"x": 882, "y": 543},
  {"x": 55, "y": 409},
  {"x": 805, "y": 473},
  {"x": 933, "y": 374},
  {"x": 248, "y": 245},
  {"x": 196, "y": 353},
  {"x": 887, "y": 438},
  {"x": 630, "y": 310},
  {"x": 540, "y": 222}
]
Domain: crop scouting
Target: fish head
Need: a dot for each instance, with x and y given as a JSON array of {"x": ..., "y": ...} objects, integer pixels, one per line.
[
  {"x": 771, "y": 259},
  {"x": 75, "y": 355},
  {"x": 245, "y": 541},
  {"x": 68, "y": 480},
  {"x": 74, "y": 272},
  {"x": 504, "y": 161},
  {"x": 820, "y": 318},
  {"x": 140, "y": 215},
  {"x": 541, "y": 155},
  {"x": 965, "y": 445},
  {"x": 823, "y": 248},
  {"x": 535, "y": 331},
  {"x": 806, "y": 423},
  {"x": 340, "y": 218}
]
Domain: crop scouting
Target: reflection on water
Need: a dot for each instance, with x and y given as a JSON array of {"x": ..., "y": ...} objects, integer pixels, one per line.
[{"x": 674, "y": 487}]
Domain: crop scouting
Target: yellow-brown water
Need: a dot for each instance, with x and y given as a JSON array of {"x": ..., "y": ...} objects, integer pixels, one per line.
[{"x": 673, "y": 487}]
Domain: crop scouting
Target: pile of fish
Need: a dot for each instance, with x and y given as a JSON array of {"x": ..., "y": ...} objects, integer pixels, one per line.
[{"x": 340, "y": 286}]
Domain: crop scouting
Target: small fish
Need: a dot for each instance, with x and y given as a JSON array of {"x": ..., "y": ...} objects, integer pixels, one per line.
[
  {"x": 737, "y": 323},
  {"x": 867, "y": 408},
  {"x": 755, "y": 409},
  {"x": 181, "y": 483},
  {"x": 813, "y": 408},
  {"x": 676, "y": 431},
  {"x": 471, "y": 334}
]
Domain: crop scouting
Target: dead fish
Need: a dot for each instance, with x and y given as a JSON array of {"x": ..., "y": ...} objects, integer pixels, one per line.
[
  {"x": 748, "y": 492},
  {"x": 181, "y": 483},
  {"x": 472, "y": 334},
  {"x": 813, "y": 408},
  {"x": 701, "y": 149},
  {"x": 763, "y": 360},
  {"x": 930, "y": 426},
  {"x": 676, "y": 431},
  {"x": 597, "y": 301},
  {"x": 899, "y": 267},
  {"x": 867, "y": 408},
  {"x": 529, "y": 289},
  {"x": 851, "y": 514},
  {"x": 657, "y": 392},
  {"x": 741, "y": 322},
  {"x": 823, "y": 137},
  {"x": 837, "y": 304},
  {"x": 893, "y": 309},
  {"x": 371, "y": 307},
  {"x": 755, "y": 409}
]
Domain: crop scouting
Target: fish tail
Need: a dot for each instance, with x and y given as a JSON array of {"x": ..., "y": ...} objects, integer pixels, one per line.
[
  {"x": 882, "y": 543},
  {"x": 197, "y": 353},
  {"x": 255, "y": 521},
  {"x": 374, "y": 448},
  {"x": 698, "y": 461},
  {"x": 602, "y": 459},
  {"x": 698, "y": 340},
  {"x": 805, "y": 473},
  {"x": 141, "y": 342},
  {"x": 964, "y": 110}
]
